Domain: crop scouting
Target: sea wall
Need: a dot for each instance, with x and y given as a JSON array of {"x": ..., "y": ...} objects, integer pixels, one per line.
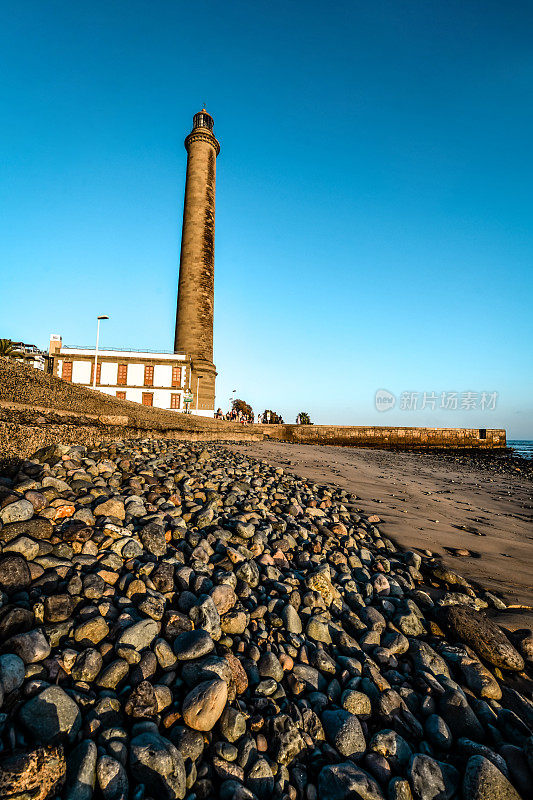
[{"x": 389, "y": 437}]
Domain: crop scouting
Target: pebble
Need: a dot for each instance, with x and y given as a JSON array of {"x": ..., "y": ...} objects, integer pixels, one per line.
[
  {"x": 180, "y": 620},
  {"x": 51, "y": 716},
  {"x": 483, "y": 781}
]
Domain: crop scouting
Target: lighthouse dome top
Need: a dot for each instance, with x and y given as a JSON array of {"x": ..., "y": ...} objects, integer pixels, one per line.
[{"x": 203, "y": 120}]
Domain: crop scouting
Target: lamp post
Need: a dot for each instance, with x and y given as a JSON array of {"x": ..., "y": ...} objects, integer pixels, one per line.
[
  {"x": 102, "y": 316},
  {"x": 198, "y": 392},
  {"x": 232, "y": 398}
]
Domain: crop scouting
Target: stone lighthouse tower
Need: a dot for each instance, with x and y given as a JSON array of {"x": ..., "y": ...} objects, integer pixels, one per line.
[{"x": 194, "y": 316}]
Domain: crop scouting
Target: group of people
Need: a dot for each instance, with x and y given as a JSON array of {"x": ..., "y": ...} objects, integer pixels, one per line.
[
  {"x": 235, "y": 416},
  {"x": 248, "y": 419}
]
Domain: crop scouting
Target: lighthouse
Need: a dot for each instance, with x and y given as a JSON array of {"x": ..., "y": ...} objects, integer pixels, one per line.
[{"x": 194, "y": 315}]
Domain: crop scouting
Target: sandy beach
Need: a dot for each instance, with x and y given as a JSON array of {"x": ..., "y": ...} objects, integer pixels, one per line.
[{"x": 423, "y": 500}]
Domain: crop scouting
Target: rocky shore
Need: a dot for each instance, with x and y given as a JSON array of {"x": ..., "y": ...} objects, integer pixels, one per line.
[{"x": 186, "y": 621}]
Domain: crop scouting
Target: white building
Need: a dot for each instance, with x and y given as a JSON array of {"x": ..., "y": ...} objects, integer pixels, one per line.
[{"x": 152, "y": 379}]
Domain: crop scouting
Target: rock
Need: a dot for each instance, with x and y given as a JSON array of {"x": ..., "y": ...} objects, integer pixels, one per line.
[
  {"x": 432, "y": 780},
  {"x": 270, "y": 667},
  {"x": 232, "y": 724},
  {"x": 483, "y": 781},
  {"x": 31, "y": 647},
  {"x": 58, "y": 607},
  {"x": 26, "y": 547},
  {"x": 223, "y": 597},
  {"x": 320, "y": 582},
  {"x": 158, "y": 764},
  {"x": 205, "y": 615},
  {"x": 19, "y": 511},
  {"x": 482, "y": 635},
  {"x": 193, "y": 644},
  {"x": 37, "y": 774},
  {"x": 153, "y": 538},
  {"x": 113, "y": 674},
  {"x": 136, "y": 637},
  {"x": 36, "y": 528},
  {"x": 94, "y": 630},
  {"x": 437, "y": 732},
  {"x": 51, "y": 716},
  {"x": 425, "y": 658},
  {"x": 203, "y": 706},
  {"x": 459, "y": 717},
  {"x": 233, "y": 623},
  {"x": 81, "y": 772},
  {"x": 393, "y": 747},
  {"x": 260, "y": 779},
  {"x": 356, "y": 703},
  {"x": 14, "y": 573},
  {"x": 87, "y": 665},
  {"x": 11, "y": 673},
  {"x": 111, "y": 508},
  {"x": 142, "y": 701},
  {"x": 112, "y": 778},
  {"x": 291, "y": 620},
  {"x": 345, "y": 780},
  {"x": 287, "y": 742},
  {"x": 343, "y": 730}
]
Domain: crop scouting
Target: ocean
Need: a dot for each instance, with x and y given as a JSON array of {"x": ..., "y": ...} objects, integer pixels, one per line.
[{"x": 523, "y": 447}]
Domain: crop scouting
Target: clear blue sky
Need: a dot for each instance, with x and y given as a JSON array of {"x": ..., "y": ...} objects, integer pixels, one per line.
[{"x": 374, "y": 192}]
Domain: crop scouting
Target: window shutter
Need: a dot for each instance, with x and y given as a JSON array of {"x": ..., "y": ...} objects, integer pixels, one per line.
[
  {"x": 174, "y": 401},
  {"x": 148, "y": 375},
  {"x": 176, "y": 377},
  {"x": 122, "y": 377},
  {"x": 121, "y": 395},
  {"x": 148, "y": 399},
  {"x": 67, "y": 371}
]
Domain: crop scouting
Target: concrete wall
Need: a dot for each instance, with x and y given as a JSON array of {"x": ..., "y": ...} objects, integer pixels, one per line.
[{"x": 406, "y": 438}]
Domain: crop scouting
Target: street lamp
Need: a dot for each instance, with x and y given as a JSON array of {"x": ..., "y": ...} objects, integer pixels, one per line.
[
  {"x": 102, "y": 316},
  {"x": 232, "y": 398}
]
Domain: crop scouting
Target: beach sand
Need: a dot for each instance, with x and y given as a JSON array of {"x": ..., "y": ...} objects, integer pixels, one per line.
[{"x": 423, "y": 499}]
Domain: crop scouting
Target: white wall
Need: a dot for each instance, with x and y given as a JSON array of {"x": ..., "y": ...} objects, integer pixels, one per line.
[
  {"x": 135, "y": 374},
  {"x": 81, "y": 372},
  {"x": 108, "y": 375},
  {"x": 163, "y": 375}
]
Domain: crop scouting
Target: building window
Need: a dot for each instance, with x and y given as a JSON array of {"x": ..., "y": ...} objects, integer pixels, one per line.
[
  {"x": 176, "y": 377},
  {"x": 121, "y": 395},
  {"x": 67, "y": 371},
  {"x": 122, "y": 377},
  {"x": 98, "y": 373},
  {"x": 148, "y": 375},
  {"x": 174, "y": 401},
  {"x": 482, "y": 433},
  {"x": 148, "y": 398}
]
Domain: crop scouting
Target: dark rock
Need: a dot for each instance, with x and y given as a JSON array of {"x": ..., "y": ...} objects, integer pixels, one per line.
[
  {"x": 142, "y": 701},
  {"x": 14, "y": 573},
  {"x": 193, "y": 644},
  {"x": 153, "y": 538},
  {"x": 51, "y": 716},
  {"x": 159, "y": 765},
  {"x": 345, "y": 780},
  {"x": 483, "y": 635},
  {"x": 343, "y": 730},
  {"x": 58, "y": 608},
  {"x": 483, "y": 781},
  {"x": 432, "y": 780},
  {"x": 37, "y": 774}
]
